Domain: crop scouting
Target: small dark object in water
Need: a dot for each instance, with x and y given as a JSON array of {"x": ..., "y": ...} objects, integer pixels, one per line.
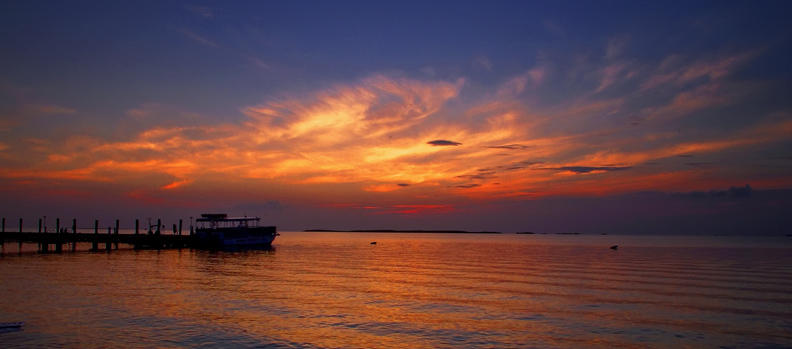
[
  {"x": 373, "y": 242},
  {"x": 614, "y": 247},
  {"x": 4, "y": 325}
]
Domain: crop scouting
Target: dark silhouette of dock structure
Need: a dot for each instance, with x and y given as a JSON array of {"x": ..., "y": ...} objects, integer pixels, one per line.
[{"x": 63, "y": 236}]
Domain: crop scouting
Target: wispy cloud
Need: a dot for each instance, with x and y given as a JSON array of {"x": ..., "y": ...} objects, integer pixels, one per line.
[
  {"x": 676, "y": 71},
  {"x": 49, "y": 109},
  {"x": 259, "y": 63},
  {"x": 419, "y": 209},
  {"x": 509, "y": 146},
  {"x": 731, "y": 193},
  {"x": 517, "y": 84},
  {"x": 616, "y": 47},
  {"x": 554, "y": 28},
  {"x": 483, "y": 62},
  {"x": 197, "y": 38},
  {"x": 201, "y": 11}
]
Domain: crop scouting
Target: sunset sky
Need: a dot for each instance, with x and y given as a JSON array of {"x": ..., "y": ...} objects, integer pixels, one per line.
[{"x": 585, "y": 116}]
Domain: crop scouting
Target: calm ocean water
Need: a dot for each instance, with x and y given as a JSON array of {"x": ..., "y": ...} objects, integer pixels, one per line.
[{"x": 335, "y": 290}]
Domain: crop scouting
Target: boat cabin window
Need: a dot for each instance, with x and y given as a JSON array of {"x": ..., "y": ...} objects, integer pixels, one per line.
[{"x": 220, "y": 221}]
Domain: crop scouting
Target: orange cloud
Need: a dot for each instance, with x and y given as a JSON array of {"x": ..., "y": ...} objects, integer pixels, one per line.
[
  {"x": 176, "y": 184},
  {"x": 364, "y": 139}
]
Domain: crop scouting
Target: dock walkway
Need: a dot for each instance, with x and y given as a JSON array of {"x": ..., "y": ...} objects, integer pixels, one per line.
[{"x": 151, "y": 239}]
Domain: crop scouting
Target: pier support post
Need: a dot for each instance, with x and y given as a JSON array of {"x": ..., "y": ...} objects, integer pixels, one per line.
[
  {"x": 158, "y": 234},
  {"x": 95, "y": 241},
  {"x": 39, "y": 225},
  {"x": 74, "y": 234},
  {"x": 180, "y": 226},
  {"x": 58, "y": 236},
  {"x": 137, "y": 233},
  {"x": 20, "y": 225},
  {"x": 108, "y": 245},
  {"x": 43, "y": 243},
  {"x": 116, "y": 235}
]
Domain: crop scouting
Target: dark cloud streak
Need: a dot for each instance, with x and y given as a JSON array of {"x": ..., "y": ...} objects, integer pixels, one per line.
[
  {"x": 588, "y": 169},
  {"x": 731, "y": 193},
  {"x": 443, "y": 142},
  {"x": 510, "y": 147},
  {"x": 467, "y": 186}
]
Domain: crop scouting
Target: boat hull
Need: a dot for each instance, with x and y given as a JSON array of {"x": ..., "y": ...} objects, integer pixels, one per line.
[{"x": 238, "y": 237}]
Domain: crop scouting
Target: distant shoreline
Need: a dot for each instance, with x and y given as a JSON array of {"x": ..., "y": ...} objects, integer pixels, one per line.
[
  {"x": 401, "y": 231},
  {"x": 532, "y": 233}
]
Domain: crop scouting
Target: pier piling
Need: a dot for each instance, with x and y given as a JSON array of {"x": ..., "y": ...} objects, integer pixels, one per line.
[
  {"x": 20, "y": 230},
  {"x": 180, "y": 226},
  {"x": 116, "y": 235},
  {"x": 39, "y": 225},
  {"x": 74, "y": 234},
  {"x": 57, "y": 236},
  {"x": 95, "y": 241},
  {"x": 108, "y": 245},
  {"x": 158, "y": 235},
  {"x": 137, "y": 232},
  {"x": 20, "y": 240}
]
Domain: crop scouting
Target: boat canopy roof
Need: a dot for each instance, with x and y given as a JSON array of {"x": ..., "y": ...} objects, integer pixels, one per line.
[{"x": 222, "y": 217}]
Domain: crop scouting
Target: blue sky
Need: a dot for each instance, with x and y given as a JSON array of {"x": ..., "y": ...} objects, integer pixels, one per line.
[{"x": 237, "y": 53}]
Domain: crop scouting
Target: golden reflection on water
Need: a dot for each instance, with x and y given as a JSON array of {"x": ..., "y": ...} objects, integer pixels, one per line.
[{"x": 409, "y": 290}]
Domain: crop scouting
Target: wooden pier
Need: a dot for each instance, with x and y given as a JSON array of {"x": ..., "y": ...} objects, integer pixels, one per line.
[{"x": 55, "y": 241}]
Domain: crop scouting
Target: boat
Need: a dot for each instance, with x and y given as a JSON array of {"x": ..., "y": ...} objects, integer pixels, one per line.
[{"x": 217, "y": 230}]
